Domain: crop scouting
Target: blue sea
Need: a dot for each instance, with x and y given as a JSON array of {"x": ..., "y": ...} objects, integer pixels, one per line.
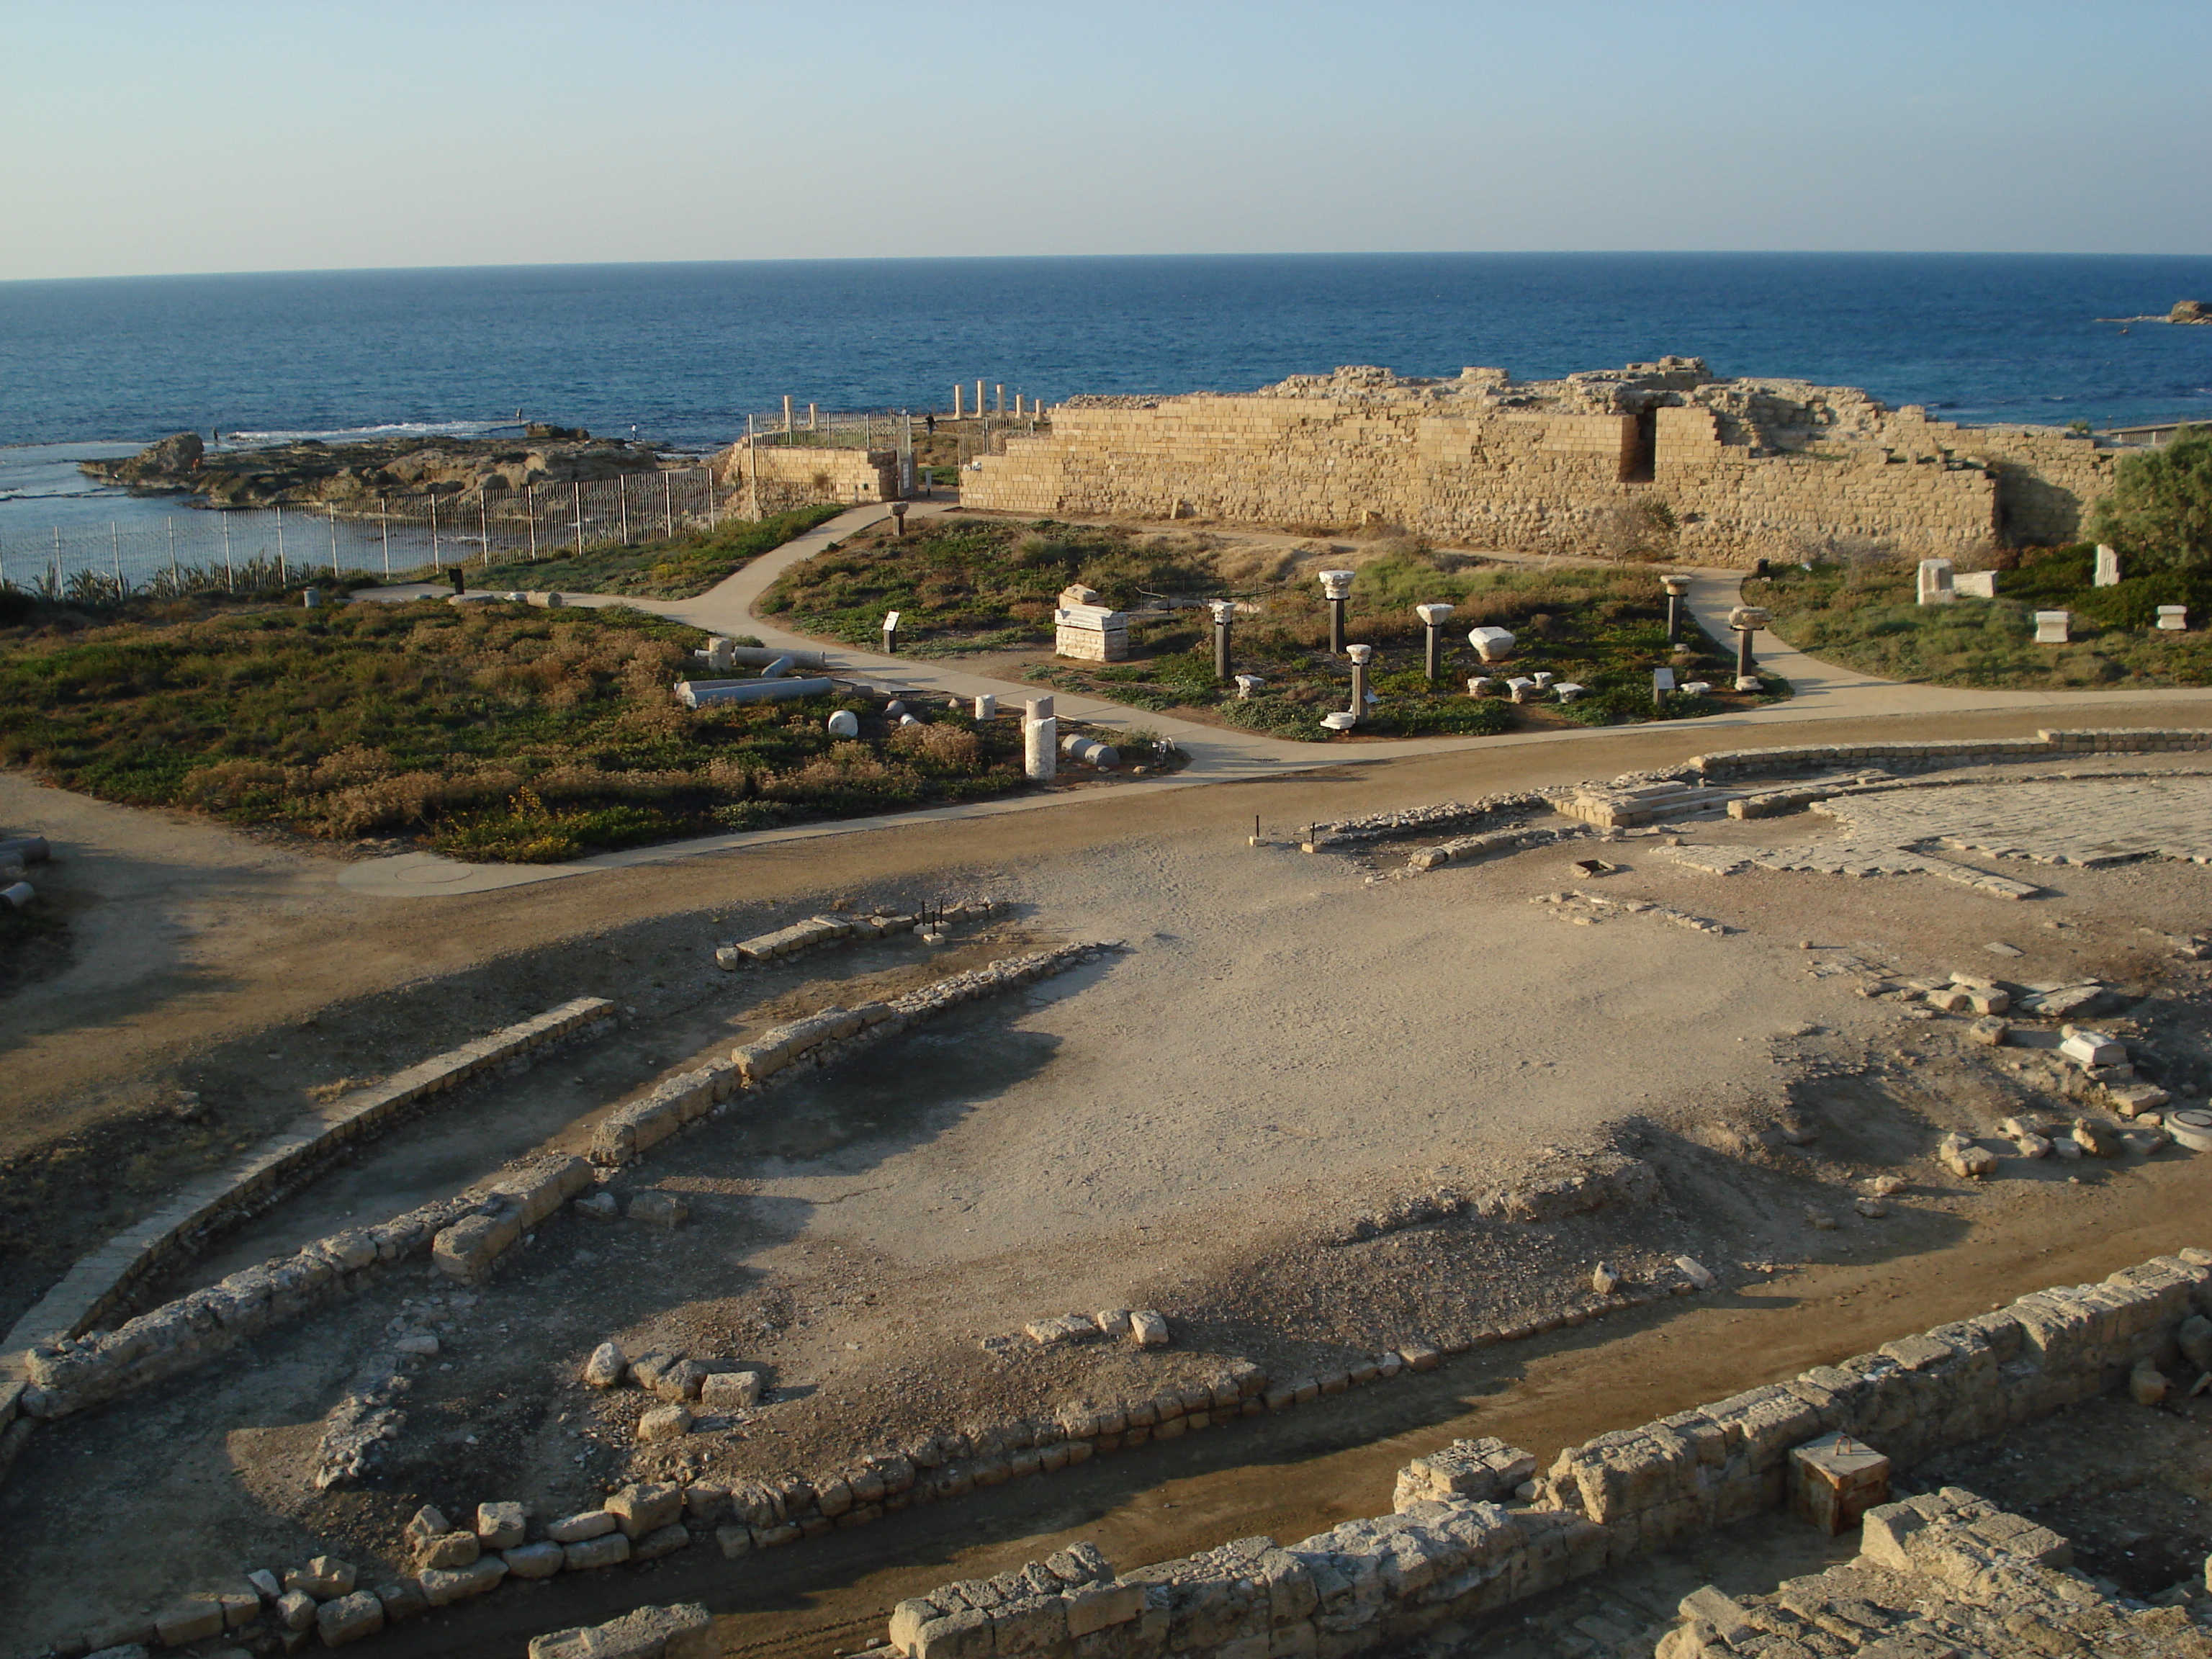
[{"x": 684, "y": 352}]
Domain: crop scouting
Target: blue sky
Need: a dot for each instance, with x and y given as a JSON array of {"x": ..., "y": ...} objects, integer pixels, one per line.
[{"x": 141, "y": 138}]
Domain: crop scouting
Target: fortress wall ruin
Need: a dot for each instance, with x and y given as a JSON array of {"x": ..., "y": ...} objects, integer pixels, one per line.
[
  {"x": 1478, "y": 472},
  {"x": 804, "y": 474}
]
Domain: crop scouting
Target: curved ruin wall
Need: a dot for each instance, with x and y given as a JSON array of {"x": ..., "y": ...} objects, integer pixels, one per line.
[{"x": 1483, "y": 463}]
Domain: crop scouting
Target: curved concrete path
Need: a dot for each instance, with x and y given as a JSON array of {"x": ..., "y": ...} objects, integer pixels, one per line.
[{"x": 1217, "y": 755}]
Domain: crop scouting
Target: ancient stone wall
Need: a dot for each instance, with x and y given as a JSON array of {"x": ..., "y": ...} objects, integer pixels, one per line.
[
  {"x": 802, "y": 475},
  {"x": 1450, "y": 1552},
  {"x": 1742, "y": 469}
]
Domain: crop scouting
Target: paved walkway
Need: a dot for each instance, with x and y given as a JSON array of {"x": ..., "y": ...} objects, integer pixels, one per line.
[{"x": 1217, "y": 755}]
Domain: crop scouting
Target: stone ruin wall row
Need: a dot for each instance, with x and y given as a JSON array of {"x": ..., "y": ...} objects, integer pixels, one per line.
[
  {"x": 1544, "y": 480},
  {"x": 802, "y": 475}
]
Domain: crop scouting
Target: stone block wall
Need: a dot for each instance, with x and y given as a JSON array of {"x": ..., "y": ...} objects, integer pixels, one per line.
[
  {"x": 801, "y": 475},
  {"x": 99, "y": 1286},
  {"x": 1492, "y": 476},
  {"x": 1371, "y": 1584}
]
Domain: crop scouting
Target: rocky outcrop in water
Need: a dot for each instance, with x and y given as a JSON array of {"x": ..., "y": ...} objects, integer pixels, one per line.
[
  {"x": 2189, "y": 311},
  {"x": 310, "y": 472}
]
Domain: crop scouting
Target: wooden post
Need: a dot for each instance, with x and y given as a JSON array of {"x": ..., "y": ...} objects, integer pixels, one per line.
[
  {"x": 383, "y": 515},
  {"x": 579, "y": 487},
  {"x": 668, "y": 506}
]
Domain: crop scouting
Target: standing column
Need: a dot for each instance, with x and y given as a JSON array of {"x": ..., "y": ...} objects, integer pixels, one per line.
[
  {"x": 1336, "y": 588},
  {"x": 1746, "y": 620},
  {"x": 1040, "y": 740},
  {"x": 1433, "y": 617},
  {"x": 1360, "y": 655},
  {"x": 1223, "y": 612},
  {"x": 1676, "y": 586},
  {"x": 956, "y": 400}
]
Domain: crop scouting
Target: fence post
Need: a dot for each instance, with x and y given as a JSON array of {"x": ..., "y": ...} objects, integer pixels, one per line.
[
  {"x": 280, "y": 548},
  {"x": 578, "y": 485},
  {"x": 752, "y": 469},
  {"x": 437, "y": 559},
  {"x": 483, "y": 528},
  {"x": 621, "y": 495},
  {"x": 229, "y": 574},
  {"x": 115, "y": 551},
  {"x": 668, "y": 506},
  {"x": 384, "y": 516},
  {"x": 530, "y": 511},
  {"x": 333, "y": 513}
]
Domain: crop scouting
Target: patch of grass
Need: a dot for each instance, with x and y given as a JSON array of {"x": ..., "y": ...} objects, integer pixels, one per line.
[
  {"x": 678, "y": 569},
  {"x": 492, "y": 731},
  {"x": 978, "y": 584},
  {"x": 1864, "y": 614}
]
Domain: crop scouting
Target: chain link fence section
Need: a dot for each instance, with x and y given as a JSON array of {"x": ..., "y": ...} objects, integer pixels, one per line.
[{"x": 239, "y": 549}]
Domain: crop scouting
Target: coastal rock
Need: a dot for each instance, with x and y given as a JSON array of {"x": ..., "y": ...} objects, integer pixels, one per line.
[{"x": 2189, "y": 311}]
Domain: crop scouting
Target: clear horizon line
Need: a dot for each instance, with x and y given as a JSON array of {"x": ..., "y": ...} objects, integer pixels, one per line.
[{"x": 983, "y": 259}]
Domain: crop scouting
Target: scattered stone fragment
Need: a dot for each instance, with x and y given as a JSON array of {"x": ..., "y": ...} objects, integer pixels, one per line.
[
  {"x": 662, "y": 1541},
  {"x": 295, "y": 1609},
  {"x": 539, "y": 1560},
  {"x": 601, "y": 1206},
  {"x": 1887, "y": 1185},
  {"x": 1965, "y": 1159},
  {"x": 606, "y": 1551},
  {"x": 1148, "y": 1329},
  {"x": 659, "y": 1209},
  {"x": 639, "y": 1510},
  {"x": 448, "y": 1550},
  {"x": 1696, "y": 1272},
  {"x": 501, "y": 1526},
  {"x": 1113, "y": 1323},
  {"x": 1872, "y": 1208},
  {"x": 577, "y": 1529},
  {"x": 2032, "y": 1144},
  {"x": 727, "y": 1391},
  {"x": 605, "y": 1368},
  {"x": 422, "y": 1346},
  {"x": 1603, "y": 1279},
  {"x": 264, "y": 1582},
  {"x": 1991, "y": 1032},
  {"x": 402, "y": 1598},
  {"x": 440, "y": 1588},
  {"x": 2195, "y": 1337},
  {"x": 325, "y": 1578},
  {"x": 188, "y": 1621},
  {"x": 2096, "y": 1139},
  {"x": 686, "y": 1631},
  {"x": 664, "y": 1423},
  {"x": 2147, "y": 1383},
  {"x": 349, "y": 1619}
]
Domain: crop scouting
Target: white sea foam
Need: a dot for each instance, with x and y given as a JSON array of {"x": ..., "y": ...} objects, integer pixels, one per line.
[{"x": 389, "y": 429}]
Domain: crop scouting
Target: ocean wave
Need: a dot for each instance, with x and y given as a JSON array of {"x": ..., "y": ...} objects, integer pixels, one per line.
[{"x": 388, "y": 430}]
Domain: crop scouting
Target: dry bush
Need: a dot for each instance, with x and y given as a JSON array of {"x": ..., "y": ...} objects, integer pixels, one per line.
[
  {"x": 1256, "y": 567},
  {"x": 225, "y": 785},
  {"x": 948, "y": 747}
]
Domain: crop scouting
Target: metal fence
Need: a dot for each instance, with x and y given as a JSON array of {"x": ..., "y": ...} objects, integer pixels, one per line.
[{"x": 391, "y": 536}]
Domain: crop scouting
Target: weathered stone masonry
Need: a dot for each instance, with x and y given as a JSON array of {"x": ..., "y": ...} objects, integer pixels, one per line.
[
  {"x": 1747, "y": 468},
  {"x": 1449, "y": 1551}
]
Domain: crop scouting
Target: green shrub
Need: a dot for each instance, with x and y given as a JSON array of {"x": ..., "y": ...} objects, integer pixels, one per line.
[{"x": 2157, "y": 512}]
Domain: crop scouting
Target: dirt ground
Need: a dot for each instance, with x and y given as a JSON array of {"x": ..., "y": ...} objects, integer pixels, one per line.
[{"x": 1231, "y": 1121}]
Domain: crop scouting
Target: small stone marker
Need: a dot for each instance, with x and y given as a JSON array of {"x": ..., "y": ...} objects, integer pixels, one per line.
[
  {"x": 1975, "y": 583},
  {"x": 1662, "y": 682},
  {"x": 1834, "y": 1481},
  {"x": 2050, "y": 627},
  {"x": 2173, "y": 618},
  {"x": 1696, "y": 1272},
  {"x": 2108, "y": 567},
  {"x": 1491, "y": 644},
  {"x": 1934, "y": 584},
  {"x": 844, "y": 724},
  {"x": 1246, "y": 685}
]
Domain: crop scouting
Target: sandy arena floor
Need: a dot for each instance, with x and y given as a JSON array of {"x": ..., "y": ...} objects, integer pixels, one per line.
[{"x": 1285, "y": 1049}]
